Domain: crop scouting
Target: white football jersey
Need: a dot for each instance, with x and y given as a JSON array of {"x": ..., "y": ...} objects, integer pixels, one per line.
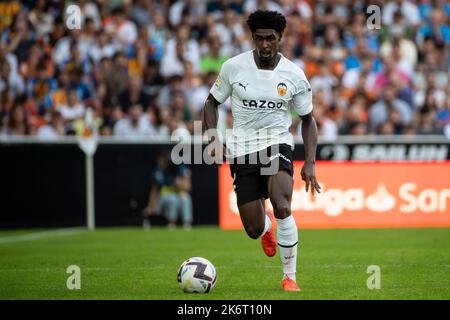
[{"x": 261, "y": 102}]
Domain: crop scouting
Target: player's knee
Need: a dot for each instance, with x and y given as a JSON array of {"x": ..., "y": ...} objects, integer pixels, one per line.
[
  {"x": 254, "y": 231},
  {"x": 281, "y": 209}
]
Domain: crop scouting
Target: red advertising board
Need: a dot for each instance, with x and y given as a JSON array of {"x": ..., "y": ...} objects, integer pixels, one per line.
[{"x": 360, "y": 195}]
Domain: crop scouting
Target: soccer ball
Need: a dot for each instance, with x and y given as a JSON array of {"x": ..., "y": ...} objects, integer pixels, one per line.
[{"x": 197, "y": 275}]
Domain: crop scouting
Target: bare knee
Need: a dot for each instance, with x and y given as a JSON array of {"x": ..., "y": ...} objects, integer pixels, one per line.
[
  {"x": 254, "y": 231},
  {"x": 281, "y": 209}
]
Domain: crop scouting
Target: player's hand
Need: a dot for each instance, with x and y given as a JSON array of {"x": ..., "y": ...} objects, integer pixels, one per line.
[{"x": 309, "y": 176}]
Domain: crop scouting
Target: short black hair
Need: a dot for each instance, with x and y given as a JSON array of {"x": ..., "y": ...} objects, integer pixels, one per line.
[{"x": 262, "y": 19}]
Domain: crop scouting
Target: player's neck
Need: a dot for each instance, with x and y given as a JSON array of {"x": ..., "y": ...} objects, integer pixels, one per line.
[{"x": 266, "y": 65}]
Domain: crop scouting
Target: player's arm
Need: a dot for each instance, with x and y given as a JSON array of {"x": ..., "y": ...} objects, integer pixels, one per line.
[
  {"x": 303, "y": 105},
  {"x": 210, "y": 119},
  {"x": 219, "y": 92},
  {"x": 210, "y": 114},
  {"x": 309, "y": 134}
]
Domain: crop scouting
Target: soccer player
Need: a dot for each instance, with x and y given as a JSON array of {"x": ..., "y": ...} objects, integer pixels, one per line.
[{"x": 264, "y": 86}]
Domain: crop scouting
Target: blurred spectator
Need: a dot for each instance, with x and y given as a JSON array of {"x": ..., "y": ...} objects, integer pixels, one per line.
[
  {"x": 136, "y": 124},
  {"x": 165, "y": 55},
  {"x": 17, "y": 123},
  {"x": 41, "y": 18},
  {"x": 175, "y": 83},
  {"x": 40, "y": 87},
  {"x": 179, "y": 49},
  {"x": 170, "y": 193},
  {"x": 11, "y": 83},
  {"x": 54, "y": 129},
  {"x": 382, "y": 110},
  {"x": 115, "y": 76},
  {"x": 426, "y": 122},
  {"x": 122, "y": 30},
  {"x": 73, "y": 109},
  {"x": 437, "y": 28},
  {"x": 134, "y": 94},
  {"x": 213, "y": 60},
  {"x": 407, "y": 9}
]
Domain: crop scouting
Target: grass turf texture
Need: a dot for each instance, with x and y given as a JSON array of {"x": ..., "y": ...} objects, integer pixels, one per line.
[{"x": 128, "y": 263}]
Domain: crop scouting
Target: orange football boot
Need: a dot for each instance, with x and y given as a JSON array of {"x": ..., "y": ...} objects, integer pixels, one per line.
[
  {"x": 290, "y": 285},
  {"x": 268, "y": 240}
]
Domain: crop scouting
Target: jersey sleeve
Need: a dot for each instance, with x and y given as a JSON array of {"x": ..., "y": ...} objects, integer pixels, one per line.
[
  {"x": 221, "y": 89},
  {"x": 302, "y": 100}
]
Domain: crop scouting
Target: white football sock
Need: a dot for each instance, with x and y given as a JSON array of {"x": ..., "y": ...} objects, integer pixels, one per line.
[
  {"x": 268, "y": 225},
  {"x": 287, "y": 235}
]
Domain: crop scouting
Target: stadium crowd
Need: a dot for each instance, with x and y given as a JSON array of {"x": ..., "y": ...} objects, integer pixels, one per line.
[{"x": 145, "y": 67}]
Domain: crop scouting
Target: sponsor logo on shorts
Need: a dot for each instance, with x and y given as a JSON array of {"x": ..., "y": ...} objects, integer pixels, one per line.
[{"x": 281, "y": 156}]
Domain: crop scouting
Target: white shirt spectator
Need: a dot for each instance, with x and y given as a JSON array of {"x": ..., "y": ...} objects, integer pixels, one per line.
[
  {"x": 12, "y": 60},
  {"x": 351, "y": 79},
  {"x": 408, "y": 51},
  {"x": 446, "y": 130},
  {"x": 304, "y": 9},
  {"x": 61, "y": 51},
  {"x": 325, "y": 83},
  {"x": 328, "y": 129},
  {"x": 97, "y": 51},
  {"x": 90, "y": 10},
  {"x": 228, "y": 38},
  {"x": 127, "y": 33},
  {"x": 181, "y": 133},
  {"x": 438, "y": 95},
  {"x": 125, "y": 128},
  {"x": 408, "y": 10},
  {"x": 196, "y": 9},
  {"x": 253, "y": 5},
  {"x": 15, "y": 82},
  {"x": 197, "y": 97},
  {"x": 72, "y": 113},
  {"x": 124, "y": 34},
  {"x": 171, "y": 65},
  {"x": 47, "y": 132}
]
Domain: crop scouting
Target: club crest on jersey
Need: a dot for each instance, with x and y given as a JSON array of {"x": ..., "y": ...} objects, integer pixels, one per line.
[{"x": 282, "y": 89}]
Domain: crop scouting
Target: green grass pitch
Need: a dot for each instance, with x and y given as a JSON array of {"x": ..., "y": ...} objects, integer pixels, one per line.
[{"x": 132, "y": 263}]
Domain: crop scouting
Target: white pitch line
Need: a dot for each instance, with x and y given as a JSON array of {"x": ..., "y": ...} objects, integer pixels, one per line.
[{"x": 41, "y": 235}]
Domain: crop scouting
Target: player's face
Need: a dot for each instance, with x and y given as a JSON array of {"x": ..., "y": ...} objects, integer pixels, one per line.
[{"x": 267, "y": 43}]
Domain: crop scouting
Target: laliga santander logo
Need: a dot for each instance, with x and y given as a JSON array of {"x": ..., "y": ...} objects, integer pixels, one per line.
[
  {"x": 381, "y": 200},
  {"x": 333, "y": 202}
]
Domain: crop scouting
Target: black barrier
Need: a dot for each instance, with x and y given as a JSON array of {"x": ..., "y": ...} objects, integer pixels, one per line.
[
  {"x": 411, "y": 151},
  {"x": 43, "y": 184},
  {"x": 122, "y": 184}
]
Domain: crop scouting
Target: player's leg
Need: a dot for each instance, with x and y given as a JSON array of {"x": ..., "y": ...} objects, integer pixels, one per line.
[
  {"x": 280, "y": 193},
  {"x": 251, "y": 191},
  {"x": 252, "y": 215}
]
